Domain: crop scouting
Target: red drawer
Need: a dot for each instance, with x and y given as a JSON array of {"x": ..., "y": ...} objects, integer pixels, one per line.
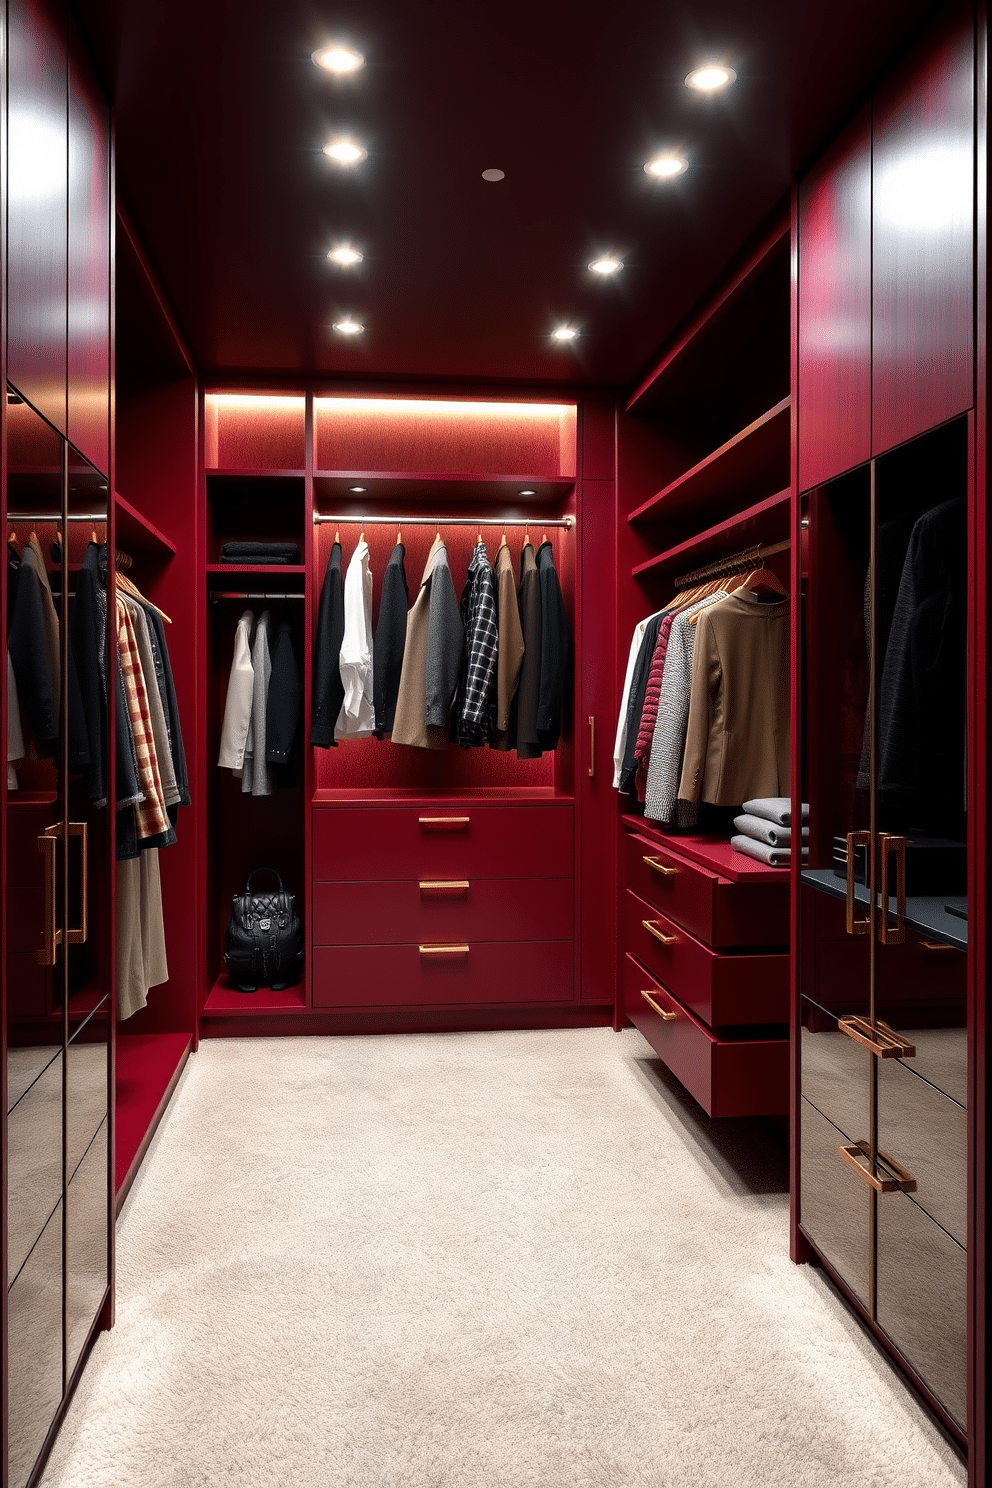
[
  {"x": 403, "y": 976},
  {"x": 442, "y": 909},
  {"x": 398, "y": 842},
  {"x": 716, "y": 910},
  {"x": 728, "y": 1077},
  {"x": 720, "y": 989}
]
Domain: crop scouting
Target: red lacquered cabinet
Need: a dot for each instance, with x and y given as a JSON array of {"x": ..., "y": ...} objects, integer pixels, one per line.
[
  {"x": 438, "y": 841},
  {"x": 442, "y": 974},
  {"x": 347, "y": 913}
]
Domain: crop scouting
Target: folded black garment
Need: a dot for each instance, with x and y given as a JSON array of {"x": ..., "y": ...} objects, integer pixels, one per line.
[{"x": 260, "y": 552}]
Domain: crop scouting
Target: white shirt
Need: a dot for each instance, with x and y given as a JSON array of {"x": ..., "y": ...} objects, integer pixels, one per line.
[
  {"x": 237, "y": 710},
  {"x": 621, "y": 740},
  {"x": 357, "y": 717}
]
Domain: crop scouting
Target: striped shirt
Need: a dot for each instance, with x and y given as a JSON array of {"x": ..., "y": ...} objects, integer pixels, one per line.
[{"x": 150, "y": 814}]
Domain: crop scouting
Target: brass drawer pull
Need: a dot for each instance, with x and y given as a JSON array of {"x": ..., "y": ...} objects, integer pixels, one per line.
[
  {"x": 52, "y": 937},
  {"x": 903, "y": 1182},
  {"x": 854, "y": 841},
  {"x": 651, "y": 926},
  {"x": 939, "y": 945},
  {"x": 592, "y": 746},
  {"x": 78, "y": 937},
  {"x": 444, "y": 885},
  {"x": 879, "y": 1038},
  {"x": 445, "y": 821},
  {"x": 660, "y": 867},
  {"x": 443, "y": 950},
  {"x": 663, "y": 1013},
  {"x": 887, "y": 846}
]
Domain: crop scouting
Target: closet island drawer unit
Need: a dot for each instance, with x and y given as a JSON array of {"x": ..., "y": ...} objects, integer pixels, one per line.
[{"x": 716, "y": 909}]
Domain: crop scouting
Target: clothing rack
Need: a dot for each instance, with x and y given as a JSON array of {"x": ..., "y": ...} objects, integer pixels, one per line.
[
  {"x": 20, "y": 517},
  {"x": 535, "y": 521},
  {"x": 736, "y": 563},
  {"x": 218, "y": 594}
]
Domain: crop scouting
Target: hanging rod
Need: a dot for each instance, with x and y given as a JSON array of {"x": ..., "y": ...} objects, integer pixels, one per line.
[
  {"x": 734, "y": 564},
  {"x": 216, "y": 594},
  {"x": 96, "y": 517},
  {"x": 535, "y": 521}
]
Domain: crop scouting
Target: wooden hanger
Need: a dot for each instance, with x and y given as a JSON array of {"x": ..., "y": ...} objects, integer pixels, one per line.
[
  {"x": 399, "y": 536},
  {"x": 124, "y": 583},
  {"x": 762, "y": 580},
  {"x": 337, "y": 535}
]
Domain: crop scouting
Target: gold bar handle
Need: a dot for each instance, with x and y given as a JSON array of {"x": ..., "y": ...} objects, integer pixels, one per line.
[
  {"x": 902, "y": 1182},
  {"x": 878, "y": 1037},
  {"x": 444, "y": 950},
  {"x": 48, "y": 847},
  {"x": 660, "y": 867},
  {"x": 445, "y": 886},
  {"x": 651, "y": 926},
  {"x": 941, "y": 945},
  {"x": 890, "y": 846},
  {"x": 445, "y": 821},
  {"x": 592, "y": 746},
  {"x": 78, "y": 937},
  {"x": 854, "y": 841},
  {"x": 663, "y": 1013}
]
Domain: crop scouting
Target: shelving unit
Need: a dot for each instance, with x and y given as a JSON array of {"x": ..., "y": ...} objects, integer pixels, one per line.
[
  {"x": 136, "y": 534},
  {"x": 760, "y": 523}
]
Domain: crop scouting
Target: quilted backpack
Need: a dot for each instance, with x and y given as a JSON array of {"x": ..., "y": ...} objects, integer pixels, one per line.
[{"x": 264, "y": 938}]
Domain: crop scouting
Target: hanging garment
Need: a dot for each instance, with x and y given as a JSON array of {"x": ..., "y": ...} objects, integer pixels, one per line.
[
  {"x": 15, "y": 735},
  {"x": 510, "y": 647},
  {"x": 529, "y": 691},
  {"x": 432, "y": 657},
  {"x": 737, "y": 739},
  {"x": 156, "y": 710},
  {"x": 29, "y": 646},
  {"x": 79, "y": 754},
  {"x": 284, "y": 700},
  {"x": 237, "y": 709},
  {"x": 891, "y": 545},
  {"x": 477, "y": 691},
  {"x": 619, "y": 743},
  {"x": 127, "y": 787},
  {"x": 652, "y": 696},
  {"x": 328, "y": 689},
  {"x": 141, "y": 958},
  {"x": 635, "y": 702},
  {"x": 556, "y": 645},
  {"x": 85, "y": 623},
  {"x": 170, "y": 703},
  {"x": 390, "y": 640},
  {"x": 256, "y": 776},
  {"x": 356, "y": 718},
  {"x": 668, "y": 744},
  {"x": 151, "y": 820}
]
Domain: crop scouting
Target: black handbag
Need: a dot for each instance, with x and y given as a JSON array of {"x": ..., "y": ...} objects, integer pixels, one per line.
[{"x": 264, "y": 938}]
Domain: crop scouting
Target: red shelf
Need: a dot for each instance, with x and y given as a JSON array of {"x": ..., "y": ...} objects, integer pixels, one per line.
[
  {"x": 525, "y": 795},
  {"x": 136, "y": 534},
  {"x": 713, "y": 853},
  {"x": 148, "y": 1066},
  {"x": 753, "y": 460},
  {"x": 28, "y": 798},
  {"x": 766, "y": 521},
  {"x": 421, "y": 488},
  {"x": 225, "y": 999},
  {"x": 227, "y": 474},
  {"x": 242, "y": 570}
]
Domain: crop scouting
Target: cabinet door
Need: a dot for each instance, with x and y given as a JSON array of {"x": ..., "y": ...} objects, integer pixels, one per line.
[
  {"x": 923, "y": 214},
  {"x": 834, "y": 422},
  {"x": 89, "y": 262}
]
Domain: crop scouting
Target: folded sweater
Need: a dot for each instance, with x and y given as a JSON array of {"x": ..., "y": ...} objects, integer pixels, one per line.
[
  {"x": 260, "y": 552},
  {"x": 775, "y": 857},
  {"x": 774, "y": 809},
  {"x": 763, "y": 830}
]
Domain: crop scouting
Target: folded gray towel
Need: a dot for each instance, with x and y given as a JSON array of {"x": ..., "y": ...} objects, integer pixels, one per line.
[
  {"x": 763, "y": 830},
  {"x": 774, "y": 809},
  {"x": 775, "y": 857}
]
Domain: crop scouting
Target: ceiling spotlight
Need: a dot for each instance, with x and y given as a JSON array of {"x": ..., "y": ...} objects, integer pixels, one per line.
[
  {"x": 665, "y": 166},
  {"x": 707, "y": 79},
  {"x": 606, "y": 265},
  {"x": 345, "y": 255},
  {"x": 357, "y": 490},
  {"x": 338, "y": 59},
  {"x": 345, "y": 151},
  {"x": 564, "y": 333},
  {"x": 349, "y": 327},
  {"x": 493, "y": 174},
  {"x": 527, "y": 493}
]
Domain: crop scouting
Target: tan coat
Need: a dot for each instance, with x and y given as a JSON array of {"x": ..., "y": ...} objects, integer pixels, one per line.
[
  {"x": 737, "y": 741},
  {"x": 410, "y": 723},
  {"x": 511, "y": 645}
]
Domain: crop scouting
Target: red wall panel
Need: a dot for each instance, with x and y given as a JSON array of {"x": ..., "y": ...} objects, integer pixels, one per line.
[
  {"x": 89, "y": 262},
  {"x": 923, "y": 226},
  {"x": 834, "y": 425}
]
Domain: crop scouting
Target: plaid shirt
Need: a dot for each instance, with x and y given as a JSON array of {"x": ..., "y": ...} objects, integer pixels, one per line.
[
  {"x": 476, "y": 715},
  {"x": 150, "y": 812}
]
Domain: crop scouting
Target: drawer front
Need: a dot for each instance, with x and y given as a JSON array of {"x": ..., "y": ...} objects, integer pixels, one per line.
[
  {"x": 834, "y": 1203},
  {"x": 740, "y": 1077},
  {"x": 719, "y": 989},
  {"x": 402, "y": 976},
  {"x": 712, "y": 908},
  {"x": 927, "y": 1133},
  {"x": 835, "y": 1072},
  {"x": 373, "y": 843},
  {"x": 459, "y": 909}
]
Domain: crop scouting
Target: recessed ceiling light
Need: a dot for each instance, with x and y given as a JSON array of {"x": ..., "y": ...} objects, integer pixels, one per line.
[
  {"x": 357, "y": 490},
  {"x": 606, "y": 265},
  {"x": 345, "y": 151},
  {"x": 345, "y": 255},
  {"x": 564, "y": 333},
  {"x": 493, "y": 174},
  {"x": 338, "y": 59},
  {"x": 527, "y": 493},
  {"x": 349, "y": 327},
  {"x": 707, "y": 79},
  {"x": 665, "y": 166}
]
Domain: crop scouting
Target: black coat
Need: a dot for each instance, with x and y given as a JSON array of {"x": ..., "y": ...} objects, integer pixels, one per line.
[
  {"x": 85, "y": 621},
  {"x": 390, "y": 641},
  {"x": 27, "y": 643},
  {"x": 555, "y": 650},
  {"x": 328, "y": 689},
  {"x": 170, "y": 703},
  {"x": 283, "y": 699},
  {"x": 524, "y": 724}
]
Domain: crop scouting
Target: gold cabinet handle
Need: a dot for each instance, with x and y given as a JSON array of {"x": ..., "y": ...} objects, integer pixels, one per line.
[
  {"x": 890, "y": 846},
  {"x": 940, "y": 945},
  {"x": 878, "y": 1037},
  {"x": 592, "y": 746},
  {"x": 651, "y": 926},
  {"x": 444, "y": 950},
  {"x": 660, "y": 867},
  {"x": 854, "y": 925},
  {"x": 445, "y": 821},
  {"x": 445, "y": 886},
  {"x": 903, "y": 1182},
  {"x": 663, "y": 1013},
  {"x": 47, "y": 846},
  {"x": 78, "y": 937}
]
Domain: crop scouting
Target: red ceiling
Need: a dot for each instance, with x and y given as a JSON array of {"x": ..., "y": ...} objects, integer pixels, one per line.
[{"x": 221, "y": 116}]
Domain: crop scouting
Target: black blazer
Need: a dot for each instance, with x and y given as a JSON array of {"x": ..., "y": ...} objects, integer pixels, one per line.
[
  {"x": 84, "y": 643},
  {"x": 528, "y": 692},
  {"x": 26, "y": 642},
  {"x": 555, "y": 650},
  {"x": 390, "y": 641},
  {"x": 328, "y": 689},
  {"x": 283, "y": 699}
]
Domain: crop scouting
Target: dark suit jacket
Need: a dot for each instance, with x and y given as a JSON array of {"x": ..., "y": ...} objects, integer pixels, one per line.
[
  {"x": 328, "y": 689},
  {"x": 555, "y": 650},
  {"x": 390, "y": 640},
  {"x": 528, "y": 692},
  {"x": 27, "y": 643},
  {"x": 283, "y": 699}
]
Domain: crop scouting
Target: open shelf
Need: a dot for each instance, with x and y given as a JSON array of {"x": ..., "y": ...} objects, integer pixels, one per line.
[
  {"x": 242, "y": 570},
  {"x": 766, "y": 521},
  {"x": 148, "y": 1067},
  {"x": 524, "y": 795},
  {"x": 136, "y": 534},
  {"x": 711, "y": 852},
  {"x": 436, "y": 489},
  {"x": 253, "y": 475},
  {"x": 225, "y": 999},
  {"x": 925, "y": 913},
  {"x": 754, "y": 459},
  {"x": 31, "y": 798}
]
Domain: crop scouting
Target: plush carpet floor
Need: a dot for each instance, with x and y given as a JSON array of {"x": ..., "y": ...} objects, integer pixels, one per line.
[{"x": 473, "y": 1261}]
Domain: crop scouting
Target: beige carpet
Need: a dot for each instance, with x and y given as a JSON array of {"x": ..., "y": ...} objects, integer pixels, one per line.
[{"x": 473, "y": 1261}]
